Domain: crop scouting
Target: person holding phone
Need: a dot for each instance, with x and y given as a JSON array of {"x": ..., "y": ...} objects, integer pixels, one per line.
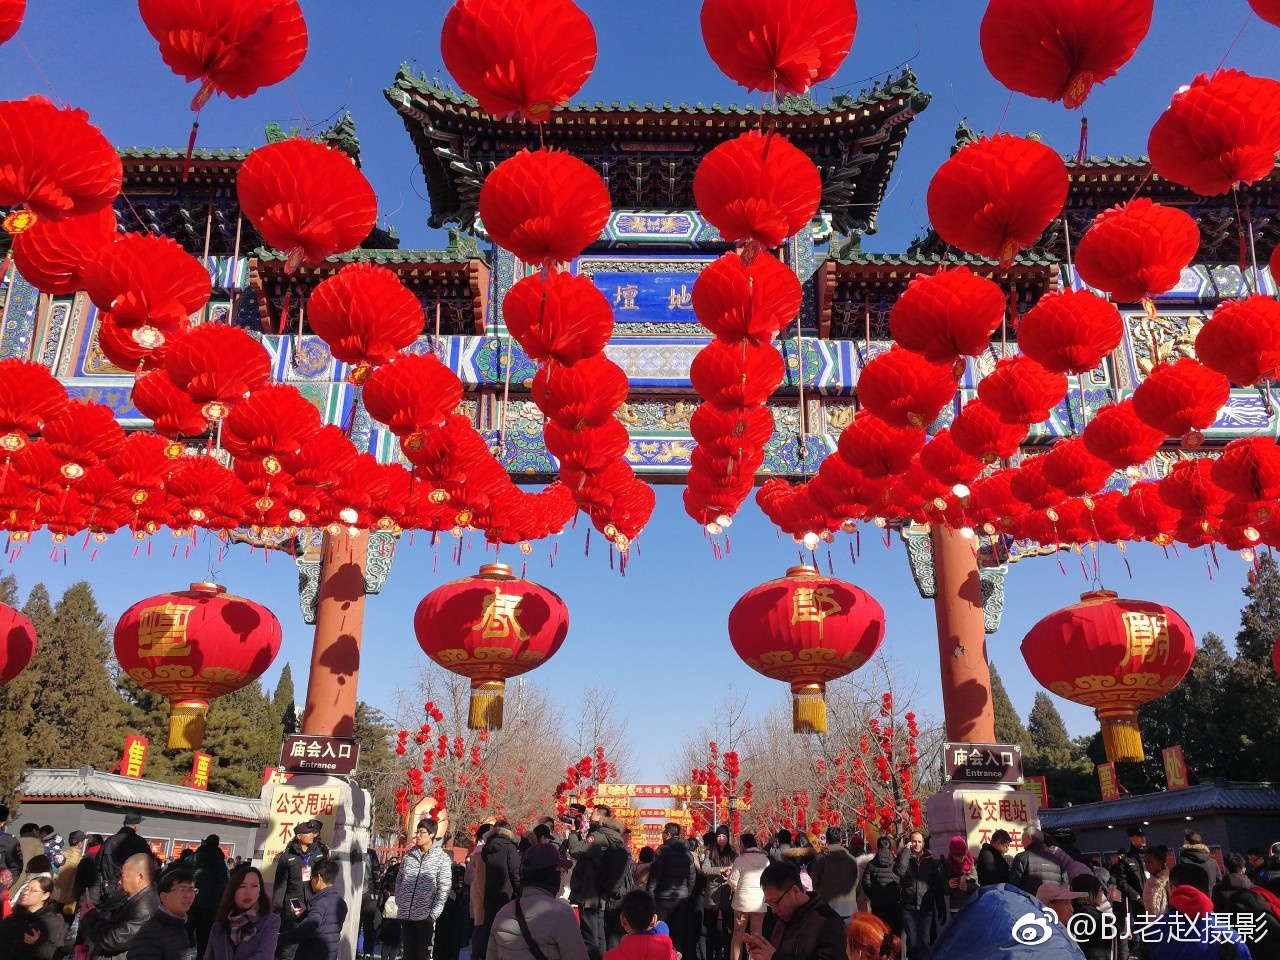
[
  {"x": 317, "y": 932},
  {"x": 295, "y": 866},
  {"x": 807, "y": 928}
]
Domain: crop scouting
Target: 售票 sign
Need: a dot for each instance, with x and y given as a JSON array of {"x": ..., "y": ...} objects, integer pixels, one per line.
[
  {"x": 337, "y": 756},
  {"x": 981, "y": 763}
]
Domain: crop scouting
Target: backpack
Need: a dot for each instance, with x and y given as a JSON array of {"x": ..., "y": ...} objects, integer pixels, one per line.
[{"x": 614, "y": 879}]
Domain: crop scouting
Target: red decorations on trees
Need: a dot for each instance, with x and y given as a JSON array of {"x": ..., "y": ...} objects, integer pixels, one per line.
[
  {"x": 1242, "y": 340},
  {"x": 1113, "y": 655},
  {"x": 778, "y": 46},
  {"x": 306, "y": 199},
  {"x": 1070, "y": 332},
  {"x": 519, "y": 58},
  {"x": 1220, "y": 131},
  {"x": 997, "y": 195},
  {"x": 948, "y": 314},
  {"x": 234, "y": 47},
  {"x": 489, "y": 628},
  {"x": 757, "y": 188},
  {"x": 366, "y": 316},
  {"x": 192, "y": 646},
  {"x": 806, "y": 630},
  {"x": 1058, "y": 49},
  {"x": 1137, "y": 250},
  {"x": 545, "y": 206},
  {"x": 1180, "y": 398},
  {"x": 17, "y": 643}
]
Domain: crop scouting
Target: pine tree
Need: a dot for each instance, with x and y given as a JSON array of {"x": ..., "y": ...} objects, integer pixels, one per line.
[
  {"x": 1260, "y": 618},
  {"x": 243, "y": 736},
  {"x": 1009, "y": 726},
  {"x": 283, "y": 702},
  {"x": 1056, "y": 757},
  {"x": 379, "y": 772},
  {"x": 1048, "y": 732},
  {"x": 9, "y": 590}
]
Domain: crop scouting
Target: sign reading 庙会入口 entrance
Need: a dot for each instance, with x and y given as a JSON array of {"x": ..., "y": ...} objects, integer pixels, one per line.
[
  {"x": 981, "y": 763},
  {"x": 303, "y": 753}
]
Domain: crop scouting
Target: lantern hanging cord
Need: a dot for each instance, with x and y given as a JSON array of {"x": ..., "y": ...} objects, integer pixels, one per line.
[{"x": 36, "y": 64}]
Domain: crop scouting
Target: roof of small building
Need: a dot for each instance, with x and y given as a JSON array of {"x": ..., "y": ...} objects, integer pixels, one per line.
[
  {"x": 1213, "y": 797},
  {"x": 88, "y": 783}
]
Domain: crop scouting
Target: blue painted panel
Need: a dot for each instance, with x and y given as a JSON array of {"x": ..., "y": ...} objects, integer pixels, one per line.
[{"x": 649, "y": 297}]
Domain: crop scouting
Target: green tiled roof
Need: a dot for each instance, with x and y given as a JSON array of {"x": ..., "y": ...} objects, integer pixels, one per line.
[
  {"x": 1028, "y": 258},
  {"x": 894, "y": 87},
  {"x": 170, "y": 153},
  {"x": 385, "y": 257}
]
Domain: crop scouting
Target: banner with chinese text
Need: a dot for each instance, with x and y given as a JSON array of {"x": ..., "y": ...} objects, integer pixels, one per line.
[
  {"x": 1175, "y": 768},
  {"x": 987, "y": 811},
  {"x": 134, "y": 759},
  {"x": 200, "y": 766},
  {"x": 1107, "y": 781},
  {"x": 289, "y": 804},
  {"x": 1039, "y": 786}
]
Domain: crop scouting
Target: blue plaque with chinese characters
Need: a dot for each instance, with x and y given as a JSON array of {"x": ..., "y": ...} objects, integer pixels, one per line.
[{"x": 648, "y": 292}]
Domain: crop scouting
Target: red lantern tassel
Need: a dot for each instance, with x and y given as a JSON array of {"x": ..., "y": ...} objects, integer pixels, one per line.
[
  {"x": 191, "y": 149},
  {"x": 1082, "y": 152}
]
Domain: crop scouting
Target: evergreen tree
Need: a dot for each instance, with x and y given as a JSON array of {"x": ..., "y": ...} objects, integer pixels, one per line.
[
  {"x": 9, "y": 590},
  {"x": 1260, "y": 618},
  {"x": 379, "y": 773},
  {"x": 1056, "y": 757},
  {"x": 1009, "y": 726},
  {"x": 1048, "y": 732},
  {"x": 283, "y": 702}
]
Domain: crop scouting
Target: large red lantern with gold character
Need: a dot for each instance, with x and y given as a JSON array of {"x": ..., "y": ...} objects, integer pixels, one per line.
[
  {"x": 1113, "y": 655},
  {"x": 489, "y": 628},
  {"x": 17, "y": 643},
  {"x": 806, "y": 630},
  {"x": 192, "y": 646}
]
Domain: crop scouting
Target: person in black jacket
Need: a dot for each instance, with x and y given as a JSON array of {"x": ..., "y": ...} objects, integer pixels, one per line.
[
  {"x": 992, "y": 865},
  {"x": 295, "y": 866},
  {"x": 924, "y": 902},
  {"x": 501, "y": 859},
  {"x": 671, "y": 878},
  {"x": 880, "y": 884},
  {"x": 1234, "y": 895},
  {"x": 210, "y": 869},
  {"x": 35, "y": 930},
  {"x": 121, "y": 846},
  {"x": 807, "y": 927},
  {"x": 1194, "y": 851},
  {"x": 10, "y": 849},
  {"x": 593, "y": 882},
  {"x": 317, "y": 933},
  {"x": 165, "y": 935},
  {"x": 1035, "y": 865},
  {"x": 1130, "y": 876},
  {"x": 110, "y": 931}
]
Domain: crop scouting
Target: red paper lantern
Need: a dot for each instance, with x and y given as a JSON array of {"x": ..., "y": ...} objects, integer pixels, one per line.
[
  {"x": 806, "y": 630},
  {"x": 82, "y": 435},
  {"x": 1029, "y": 485},
  {"x": 1242, "y": 340},
  {"x": 757, "y": 187},
  {"x": 545, "y": 206},
  {"x": 947, "y": 314},
  {"x": 1058, "y": 49},
  {"x": 51, "y": 255},
  {"x": 589, "y": 449},
  {"x": 753, "y": 301},
  {"x": 1137, "y": 250},
  {"x": 1113, "y": 655},
  {"x": 137, "y": 349},
  {"x": 365, "y": 314},
  {"x": 1268, "y": 10},
  {"x": 981, "y": 432},
  {"x": 1190, "y": 489},
  {"x": 173, "y": 413},
  {"x": 1181, "y": 397},
  {"x": 19, "y": 640},
  {"x": 1021, "y": 391},
  {"x": 518, "y": 58},
  {"x": 29, "y": 397},
  {"x": 233, "y": 47},
  {"x": 11, "y": 12},
  {"x": 562, "y": 318},
  {"x": 272, "y": 423},
  {"x": 1116, "y": 434},
  {"x": 413, "y": 393},
  {"x": 217, "y": 366},
  {"x": 1249, "y": 468},
  {"x": 997, "y": 195},
  {"x": 1220, "y": 131},
  {"x": 81, "y": 176},
  {"x": 308, "y": 200},
  {"x": 877, "y": 448},
  {"x": 586, "y": 394},
  {"x": 737, "y": 376},
  {"x": 776, "y": 46},
  {"x": 1070, "y": 332},
  {"x": 952, "y": 467},
  {"x": 149, "y": 285},
  {"x": 904, "y": 389},
  {"x": 489, "y": 628},
  {"x": 1144, "y": 510},
  {"x": 1075, "y": 471},
  {"x": 193, "y": 646}
]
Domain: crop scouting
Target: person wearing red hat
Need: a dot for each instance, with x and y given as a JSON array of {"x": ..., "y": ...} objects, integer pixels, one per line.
[{"x": 1188, "y": 930}]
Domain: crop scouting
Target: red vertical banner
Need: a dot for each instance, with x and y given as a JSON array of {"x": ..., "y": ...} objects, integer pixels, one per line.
[
  {"x": 1039, "y": 786},
  {"x": 1175, "y": 768},
  {"x": 1107, "y": 781},
  {"x": 135, "y": 756},
  {"x": 200, "y": 765}
]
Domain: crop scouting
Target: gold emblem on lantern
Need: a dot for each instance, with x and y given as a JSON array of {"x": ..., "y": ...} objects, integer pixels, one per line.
[
  {"x": 162, "y": 630},
  {"x": 498, "y": 617},
  {"x": 1146, "y": 637},
  {"x": 813, "y": 605}
]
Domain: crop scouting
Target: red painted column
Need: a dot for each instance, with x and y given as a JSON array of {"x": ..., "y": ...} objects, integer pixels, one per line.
[
  {"x": 962, "y": 639},
  {"x": 335, "y": 655}
]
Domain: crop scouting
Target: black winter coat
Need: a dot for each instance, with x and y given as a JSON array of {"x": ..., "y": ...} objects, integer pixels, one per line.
[
  {"x": 319, "y": 933},
  {"x": 589, "y": 852},
  {"x": 163, "y": 937},
  {"x": 880, "y": 884},
  {"x": 115, "y": 850},
  {"x": 992, "y": 866},
  {"x": 501, "y": 869},
  {"x": 1098, "y": 946},
  {"x": 1235, "y": 895},
  {"x": 1033, "y": 867},
  {"x": 672, "y": 874},
  {"x": 1199, "y": 854},
  {"x": 814, "y": 932},
  {"x": 211, "y": 878},
  {"x": 922, "y": 883},
  {"x": 16, "y": 927},
  {"x": 110, "y": 932},
  {"x": 10, "y": 853},
  {"x": 1130, "y": 876},
  {"x": 292, "y": 873}
]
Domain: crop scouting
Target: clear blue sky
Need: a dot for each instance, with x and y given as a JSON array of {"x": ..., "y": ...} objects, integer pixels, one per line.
[{"x": 658, "y": 634}]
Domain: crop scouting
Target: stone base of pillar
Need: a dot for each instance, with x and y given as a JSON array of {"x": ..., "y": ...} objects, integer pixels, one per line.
[{"x": 345, "y": 811}]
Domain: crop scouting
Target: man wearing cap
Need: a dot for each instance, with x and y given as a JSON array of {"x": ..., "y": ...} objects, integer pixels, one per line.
[
  {"x": 116, "y": 849},
  {"x": 1059, "y": 898},
  {"x": 64, "y": 884},
  {"x": 294, "y": 866},
  {"x": 1130, "y": 876},
  {"x": 422, "y": 887},
  {"x": 537, "y": 923}
]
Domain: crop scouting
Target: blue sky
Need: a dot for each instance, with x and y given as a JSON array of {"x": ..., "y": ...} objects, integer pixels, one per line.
[{"x": 657, "y": 635}]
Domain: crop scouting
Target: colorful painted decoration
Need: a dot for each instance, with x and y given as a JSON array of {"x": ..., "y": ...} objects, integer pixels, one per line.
[
  {"x": 490, "y": 627},
  {"x": 1113, "y": 655},
  {"x": 233, "y": 47},
  {"x": 1060, "y": 49},
  {"x": 807, "y": 630},
  {"x": 192, "y": 646}
]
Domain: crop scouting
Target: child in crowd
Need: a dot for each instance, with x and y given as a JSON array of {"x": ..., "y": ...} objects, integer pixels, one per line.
[{"x": 647, "y": 938}]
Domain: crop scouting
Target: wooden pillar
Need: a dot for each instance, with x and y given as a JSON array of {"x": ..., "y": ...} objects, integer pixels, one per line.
[
  {"x": 335, "y": 655},
  {"x": 962, "y": 639}
]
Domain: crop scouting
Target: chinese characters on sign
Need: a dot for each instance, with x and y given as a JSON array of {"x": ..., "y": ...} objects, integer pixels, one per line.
[
  {"x": 985, "y": 813},
  {"x": 1107, "y": 781},
  {"x": 135, "y": 756},
  {"x": 498, "y": 617},
  {"x": 200, "y": 765},
  {"x": 1175, "y": 768},
  {"x": 290, "y": 805},
  {"x": 624, "y": 296},
  {"x": 813, "y": 605},
  {"x": 982, "y": 763},
  {"x": 162, "y": 630},
  {"x": 1040, "y": 787},
  {"x": 1146, "y": 638},
  {"x": 301, "y": 753}
]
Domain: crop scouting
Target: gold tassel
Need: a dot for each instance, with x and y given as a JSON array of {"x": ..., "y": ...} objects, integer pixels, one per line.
[
  {"x": 186, "y": 724},
  {"x": 1121, "y": 737},
  {"x": 485, "y": 712},
  {"x": 808, "y": 708}
]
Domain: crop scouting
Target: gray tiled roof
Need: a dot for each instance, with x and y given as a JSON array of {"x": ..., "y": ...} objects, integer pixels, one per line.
[
  {"x": 1193, "y": 801},
  {"x": 90, "y": 784}
]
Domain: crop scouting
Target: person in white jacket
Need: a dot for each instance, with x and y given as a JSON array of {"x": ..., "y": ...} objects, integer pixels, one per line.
[{"x": 748, "y": 897}]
